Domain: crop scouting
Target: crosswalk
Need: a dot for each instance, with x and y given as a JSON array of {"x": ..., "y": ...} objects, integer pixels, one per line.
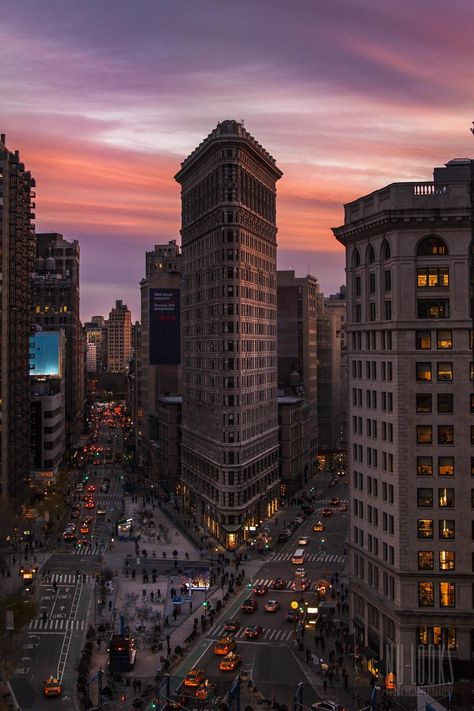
[
  {"x": 66, "y": 579},
  {"x": 90, "y": 549},
  {"x": 56, "y": 625},
  {"x": 312, "y": 557},
  {"x": 268, "y": 634},
  {"x": 327, "y": 502}
]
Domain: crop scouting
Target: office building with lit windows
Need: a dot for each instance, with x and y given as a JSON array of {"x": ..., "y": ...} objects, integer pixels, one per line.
[
  {"x": 409, "y": 260},
  {"x": 229, "y": 359},
  {"x": 56, "y": 307},
  {"x": 17, "y": 255}
]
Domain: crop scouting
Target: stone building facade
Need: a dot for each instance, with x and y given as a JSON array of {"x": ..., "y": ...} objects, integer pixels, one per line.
[
  {"x": 409, "y": 260},
  {"x": 229, "y": 358}
]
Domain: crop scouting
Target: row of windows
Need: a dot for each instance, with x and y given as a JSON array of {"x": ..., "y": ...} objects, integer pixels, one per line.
[
  {"x": 446, "y": 528},
  {"x": 373, "y": 577},
  {"x": 424, "y": 434},
  {"x": 373, "y": 486},
  {"x": 444, "y": 371},
  {"x": 429, "y": 246},
  {"x": 424, "y": 466},
  {"x": 388, "y": 521},
  {"x": 425, "y": 309},
  {"x": 371, "y": 370},
  {"x": 446, "y": 560},
  {"x": 371, "y": 340},
  {"x": 372, "y": 428},
  {"x": 426, "y": 278},
  {"x": 372, "y": 457},
  {"x": 424, "y": 340},
  {"x": 371, "y": 399},
  {"x": 446, "y": 594},
  {"x": 445, "y": 498}
]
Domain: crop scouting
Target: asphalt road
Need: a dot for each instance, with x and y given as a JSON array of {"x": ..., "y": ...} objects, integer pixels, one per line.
[
  {"x": 272, "y": 661},
  {"x": 52, "y": 643}
]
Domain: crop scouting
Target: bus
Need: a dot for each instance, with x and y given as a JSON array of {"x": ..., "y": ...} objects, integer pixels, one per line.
[{"x": 298, "y": 557}]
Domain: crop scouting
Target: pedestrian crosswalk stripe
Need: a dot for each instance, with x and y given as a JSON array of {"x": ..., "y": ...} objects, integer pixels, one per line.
[
  {"x": 328, "y": 502},
  {"x": 66, "y": 579},
  {"x": 275, "y": 635},
  {"x": 56, "y": 625},
  {"x": 90, "y": 549},
  {"x": 312, "y": 557}
]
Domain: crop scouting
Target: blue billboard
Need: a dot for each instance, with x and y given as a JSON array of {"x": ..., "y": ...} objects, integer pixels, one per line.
[
  {"x": 165, "y": 327},
  {"x": 45, "y": 354}
]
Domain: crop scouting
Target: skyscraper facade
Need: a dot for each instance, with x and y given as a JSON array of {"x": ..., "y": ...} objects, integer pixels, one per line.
[
  {"x": 160, "y": 369},
  {"x": 16, "y": 265},
  {"x": 229, "y": 358},
  {"x": 298, "y": 356},
  {"x": 56, "y": 307},
  {"x": 409, "y": 262},
  {"x": 119, "y": 338}
]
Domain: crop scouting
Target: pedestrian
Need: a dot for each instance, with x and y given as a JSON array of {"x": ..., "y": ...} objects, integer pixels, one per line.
[
  {"x": 308, "y": 656},
  {"x": 139, "y": 685},
  {"x": 190, "y": 606},
  {"x": 175, "y": 613}
]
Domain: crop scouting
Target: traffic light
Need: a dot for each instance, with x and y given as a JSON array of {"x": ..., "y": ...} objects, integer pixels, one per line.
[
  {"x": 249, "y": 585},
  {"x": 205, "y": 603},
  {"x": 154, "y": 705}
]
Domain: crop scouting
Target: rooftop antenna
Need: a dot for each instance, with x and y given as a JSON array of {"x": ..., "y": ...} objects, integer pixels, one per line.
[{"x": 242, "y": 121}]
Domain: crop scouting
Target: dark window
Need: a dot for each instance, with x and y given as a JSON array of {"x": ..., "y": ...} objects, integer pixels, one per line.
[
  {"x": 372, "y": 310},
  {"x": 372, "y": 283},
  {"x": 388, "y": 310},
  {"x": 445, "y": 434},
  {"x": 425, "y": 498},
  {"x": 387, "y": 280},
  {"x": 357, "y": 285},
  {"x": 423, "y": 340},
  {"x": 433, "y": 308},
  {"x": 386, "y": 250},
  {"x": 423, "y": 402},
  {"x": 472, "y": 402},
  {"x": 370, "y": 254},
  {"x": 445, "y": 403}
]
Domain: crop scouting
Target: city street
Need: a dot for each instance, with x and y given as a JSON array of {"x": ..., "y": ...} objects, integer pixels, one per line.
[{"x": 272, "y": 661}]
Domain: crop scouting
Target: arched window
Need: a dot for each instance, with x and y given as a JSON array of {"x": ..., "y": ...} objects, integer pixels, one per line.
[
  {"x": 370, "y": 255},
  {"x": 386, "y": 254},
  {"x": 431, "y": 246},
  {"x": 355, "y": 258}
]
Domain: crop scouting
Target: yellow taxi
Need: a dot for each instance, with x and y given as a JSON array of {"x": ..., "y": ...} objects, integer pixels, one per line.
[
  {"x": 195, "y": 677},
  {"x": 84, "y": 528},
  {"x": 318, "y": 526},
  {"x": 230, "y": 662},
  {"x": 205, "y": 691},
  {"x": 224, "y": 646},
  {"x": 52, "y": 687}
]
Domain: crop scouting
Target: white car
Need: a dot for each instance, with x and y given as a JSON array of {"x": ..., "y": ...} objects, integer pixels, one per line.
[
  {"x": 303, "y": 540},
  {"x": 300, "y": 571},
  {"x": 79, "y": 487}
]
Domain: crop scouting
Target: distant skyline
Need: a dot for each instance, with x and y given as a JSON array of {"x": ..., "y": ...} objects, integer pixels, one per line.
[{"x": 104, "y": 100}]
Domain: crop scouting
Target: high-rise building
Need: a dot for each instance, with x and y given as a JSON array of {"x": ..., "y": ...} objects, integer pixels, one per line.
[
  {"x": 95, "y": 344},
  {"x": 56, "y": 307},
  {"x": 409, "y": 263},
  {"x": 16, "y": 265},
  {"x": 48, "y": 414},
  {"x": 229, "y": 360},
  {"x": 119, "y": 338},
  {"x": 160, "y": 354},
  {"x": 332, "y": 384},
  {"x": 298, "y": 357}
]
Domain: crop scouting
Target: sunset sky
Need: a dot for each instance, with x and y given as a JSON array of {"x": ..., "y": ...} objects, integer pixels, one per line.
[{"x": 105, "y": 98}]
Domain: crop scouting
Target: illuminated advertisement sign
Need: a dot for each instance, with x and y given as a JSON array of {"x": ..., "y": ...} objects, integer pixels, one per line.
[
  {"x": 45, "y": 354},
  {"x": 165, "y": 330}
]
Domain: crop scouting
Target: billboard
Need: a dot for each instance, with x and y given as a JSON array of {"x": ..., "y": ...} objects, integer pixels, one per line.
[
  {"x": 165, "y": 327},
  {"x": 45, "y": 354}
]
